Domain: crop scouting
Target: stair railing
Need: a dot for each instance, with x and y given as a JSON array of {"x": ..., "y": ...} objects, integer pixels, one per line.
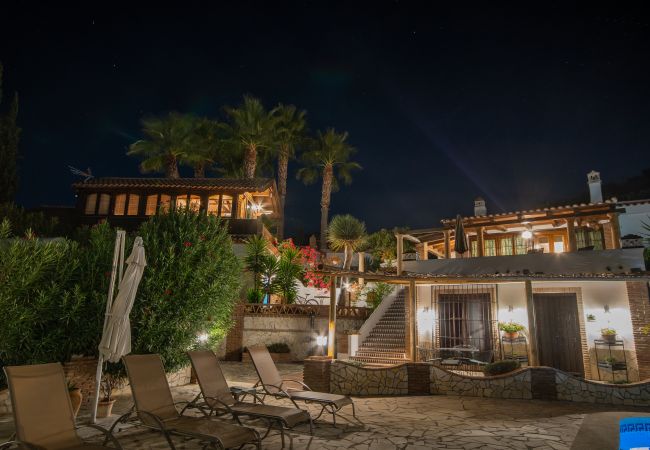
[{"x": 377, "y": 314}]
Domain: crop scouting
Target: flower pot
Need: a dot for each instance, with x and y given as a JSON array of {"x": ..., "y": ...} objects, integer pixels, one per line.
[
  {"x": 104, "y": 408},
  {"x": 511, "y": 336},
  {"x": 75, "y": 398},
  {"x": 609, "y": 338}
]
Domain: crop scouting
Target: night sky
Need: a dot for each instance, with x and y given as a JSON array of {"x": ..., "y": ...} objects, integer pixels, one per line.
[{"x": 443, "y": 105}]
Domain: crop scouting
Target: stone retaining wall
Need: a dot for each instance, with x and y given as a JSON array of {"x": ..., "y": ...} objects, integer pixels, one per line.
[{"x": 543, "y": 383}]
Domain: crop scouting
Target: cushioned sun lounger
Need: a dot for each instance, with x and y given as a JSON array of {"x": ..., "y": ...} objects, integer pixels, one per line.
[
  {"x": 42, "y": 411},
  {"x": 156, "y": 408},
  {"x": 273, "y": 384},
  {"x": 216, "y": 396}
]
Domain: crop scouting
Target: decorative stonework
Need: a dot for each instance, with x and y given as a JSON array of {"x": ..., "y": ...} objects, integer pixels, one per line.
[
  {"x": 512, "y": 385},
  {"x": 577, "y": 390},
  {"x": 348, "y": 378}
]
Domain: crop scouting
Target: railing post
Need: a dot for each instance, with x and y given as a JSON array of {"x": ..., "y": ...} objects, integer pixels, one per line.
[
  {"x": 532, "y": 327},
  {"x": 331, "y": 336},
  {"x": 412, "y": 316}
]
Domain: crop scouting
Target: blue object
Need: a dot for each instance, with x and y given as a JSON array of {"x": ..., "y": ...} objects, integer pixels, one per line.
[{"x": 634, "y": 433}]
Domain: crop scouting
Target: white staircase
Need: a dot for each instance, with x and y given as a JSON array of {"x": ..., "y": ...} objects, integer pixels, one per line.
[{"x": 385, "y": 343}]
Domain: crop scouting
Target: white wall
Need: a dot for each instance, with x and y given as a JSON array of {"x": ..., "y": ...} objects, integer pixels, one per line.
[{"x": 630, "y": 221}]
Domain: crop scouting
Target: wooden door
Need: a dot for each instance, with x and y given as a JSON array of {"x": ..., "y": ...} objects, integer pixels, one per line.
[{"x": 558, "y": 332}]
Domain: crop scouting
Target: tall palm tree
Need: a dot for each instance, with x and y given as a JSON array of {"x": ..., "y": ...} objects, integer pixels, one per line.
[
  {"x": 207, "y": 146},
  {"x": 346, "y": 233},
  {"x": 329, "y": 158},
  {"x": 166, "y": 143},
  {"x": 252, "y": 127},
  {"x": 289, "y": 132}
]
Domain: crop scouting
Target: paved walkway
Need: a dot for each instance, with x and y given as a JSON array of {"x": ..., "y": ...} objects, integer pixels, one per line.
[{"x": 423, "y": 422}]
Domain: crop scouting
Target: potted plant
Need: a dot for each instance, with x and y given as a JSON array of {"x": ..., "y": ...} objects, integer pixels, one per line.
[
  {"x": 608, "y": 335},
  {"x": 110, "y": 382},
  {"x": 280, "y": 352},
  {"x": 510, "y": 329},
  {"x": 75, "y": 396},
  {"x": 591, "y": 318}
]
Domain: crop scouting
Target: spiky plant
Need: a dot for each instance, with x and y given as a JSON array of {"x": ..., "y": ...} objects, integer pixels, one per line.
[{"x": 328, "y": 157}]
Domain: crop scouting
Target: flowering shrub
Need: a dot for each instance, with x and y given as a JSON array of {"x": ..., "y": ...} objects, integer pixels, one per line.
[{"x": 310, "y": 259}]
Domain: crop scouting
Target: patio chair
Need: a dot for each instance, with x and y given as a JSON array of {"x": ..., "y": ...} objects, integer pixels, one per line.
[
  {"x": 216, "y": 396},
  {"x": 42, "y": 411},
  {"x": 272, "y": 384},
  {"x": 156, "y": 409}
]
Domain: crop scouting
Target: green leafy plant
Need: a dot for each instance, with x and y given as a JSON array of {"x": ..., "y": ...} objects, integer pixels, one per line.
[
  {"x": 608, "y": 332},
  {"x": 591, "y": 317},
  {"x": 21, "y": 221},
  {"x": 256, "y": 251},
  {"x": 501, "y": 367},
  {"x": 278, "y": 347},
  {"x": 510, "y": 327},
  {"x": 610, "y": 360},
  {"x": 289, "y": 272},
  {"x": 254, "y": 295},
  {"x": 110, "y": 383},
  {"x": 375, "y": 293}
]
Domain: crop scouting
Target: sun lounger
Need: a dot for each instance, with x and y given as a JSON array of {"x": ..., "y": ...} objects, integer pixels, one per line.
[
  {"x": 42, "y": 411},
  {"x": 216, "y": 396},
  {"x": 273, "y": 384},
  {"x": 156, "y": 408}
]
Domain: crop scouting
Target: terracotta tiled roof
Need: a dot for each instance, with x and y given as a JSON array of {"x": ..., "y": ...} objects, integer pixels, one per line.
[{"x": 235, "y": 184}]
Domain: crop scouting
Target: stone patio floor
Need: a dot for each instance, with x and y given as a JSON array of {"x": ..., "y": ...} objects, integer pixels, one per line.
[{"x": 417, "y": 422}]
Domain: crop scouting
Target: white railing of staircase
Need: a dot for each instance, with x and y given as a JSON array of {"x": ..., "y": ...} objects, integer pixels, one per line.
[{"x": 376, "y": 315}]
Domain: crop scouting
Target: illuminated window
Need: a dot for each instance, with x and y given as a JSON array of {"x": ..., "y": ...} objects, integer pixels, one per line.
[
  {"x": 558, "y": 244},
  {"x": 120, "y": 205},
  {"x": 521, "y": 248},
  {"x": 134, "y": 201},
  {"x": 213, "y": 205},
  {"x": 152, "y": 203},
  {"x": 165, "y": 202},
  {"x": 104, "y": 204},
  {"x": 91, "y": 202},
  {"x": 181, "y": 202},
  {"x": 506, "y": 246},
  {"x": 226, "y": 206},
  {"x": 474, "y": 248},
  {"x": 542, "y": 244},
  {"x": 490, "y": 248},
  {"x": 195, "y": 202}
]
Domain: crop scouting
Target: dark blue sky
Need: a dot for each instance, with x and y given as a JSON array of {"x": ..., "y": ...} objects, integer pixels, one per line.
[{"x": 443, "y": 105}]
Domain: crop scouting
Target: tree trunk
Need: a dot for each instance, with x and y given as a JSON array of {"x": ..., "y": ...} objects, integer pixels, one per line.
[
  {"x": 250, "y": 161},
  {"x": 199, "y": 170},
  {"x": 328, "y": 172},
  {"x": 171, "y": 171},
  {"x": 283, "y": 165}
]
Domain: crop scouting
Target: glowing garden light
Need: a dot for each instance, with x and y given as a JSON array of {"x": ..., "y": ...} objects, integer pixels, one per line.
[{"x": 321, "y": 341}]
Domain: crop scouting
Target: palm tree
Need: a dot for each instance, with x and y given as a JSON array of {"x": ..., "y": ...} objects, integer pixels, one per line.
[
  {"x": 328, "y": 158},
  {"x": 289, "y": 129},
  {"x": 167, "y": 142},
  {"x": 252, "y": 127},
  {"x": 346, "y": 233},
  {"x": 206, "y": 146}
]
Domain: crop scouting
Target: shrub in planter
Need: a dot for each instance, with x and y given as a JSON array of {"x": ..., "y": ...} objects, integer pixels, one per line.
[
  {"x": 511, "y": 329},
  {"x": 608, "y": 335},
  {"x": 278, "y": 347},
  {"x": 501, "y": 367}
]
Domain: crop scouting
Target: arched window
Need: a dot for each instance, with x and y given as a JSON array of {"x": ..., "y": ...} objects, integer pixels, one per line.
[
  {"x": 120, "y": 205},
  {"x": 104, "y": 204},
  {"x": 91, "y": 203},
  {"x": 195, "y": 202},
  {"x": 134, "y": 201},
  {"x": 152, "y": 204}
]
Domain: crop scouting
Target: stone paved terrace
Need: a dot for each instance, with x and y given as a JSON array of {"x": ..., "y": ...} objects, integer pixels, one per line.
[{"x": 422, "y": 422}]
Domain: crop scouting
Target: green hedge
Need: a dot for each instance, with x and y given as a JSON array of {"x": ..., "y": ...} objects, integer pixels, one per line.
[
  {"x": 501, "y": 367},
  {"x": 53, "y": 294}
]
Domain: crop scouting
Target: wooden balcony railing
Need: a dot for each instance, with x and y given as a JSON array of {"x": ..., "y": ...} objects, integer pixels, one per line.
[{"x": 349, "y": 312}]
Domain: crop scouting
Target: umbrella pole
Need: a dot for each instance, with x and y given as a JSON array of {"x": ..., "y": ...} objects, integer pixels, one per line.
[{"x": 118, "y": 260}]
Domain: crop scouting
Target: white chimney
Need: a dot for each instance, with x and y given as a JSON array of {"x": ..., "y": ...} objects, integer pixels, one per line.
[
  {"x": 595, "y": 190},
  {"x": 479, "y": 207}
]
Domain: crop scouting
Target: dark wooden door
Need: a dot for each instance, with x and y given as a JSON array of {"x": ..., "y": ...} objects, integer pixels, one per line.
[{"x": 558, "y": 332}]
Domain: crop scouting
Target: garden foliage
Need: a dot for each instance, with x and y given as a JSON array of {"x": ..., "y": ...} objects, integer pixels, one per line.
[{"x": 53, "y": 294}]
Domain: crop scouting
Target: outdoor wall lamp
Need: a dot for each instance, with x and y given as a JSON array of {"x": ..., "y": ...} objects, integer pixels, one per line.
[
  {"x": 606, "y": 308},
  {"x": 321, "y": 340},
  {"x": 510, "y": 308},
  {"x": 527, "y": 234}
]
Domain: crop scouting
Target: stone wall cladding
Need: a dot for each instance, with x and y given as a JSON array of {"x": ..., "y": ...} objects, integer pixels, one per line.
[
  {"x": 576, "y": 390},
  {"x": 512, "y": 385},
  {"x": 638, "y": 298},
  {"x": 346, "y": 378}
]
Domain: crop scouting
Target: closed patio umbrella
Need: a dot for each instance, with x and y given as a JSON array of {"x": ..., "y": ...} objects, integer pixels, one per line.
[
  {"x": 460, "y": 238},
  {"x": 116, "y": 336},
  {"x": 116, "y": 339}
]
